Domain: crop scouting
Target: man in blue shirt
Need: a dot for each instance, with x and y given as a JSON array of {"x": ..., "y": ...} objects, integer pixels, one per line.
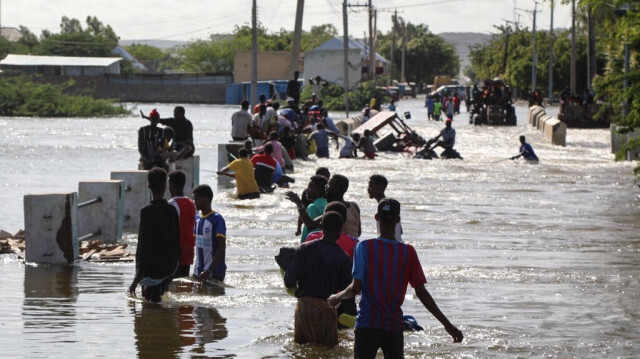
[
  {"x": 526, "y": 151},
  {"x": 322, "y": 140}
]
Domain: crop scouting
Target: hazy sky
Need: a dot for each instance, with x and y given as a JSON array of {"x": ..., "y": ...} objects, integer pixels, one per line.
[{"x": 196, "y": 19}]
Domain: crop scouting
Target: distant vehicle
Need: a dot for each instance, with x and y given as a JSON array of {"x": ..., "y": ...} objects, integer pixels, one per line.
[
  {"x": 491, "y": 104},
  {"x": 450, "y": 90}
]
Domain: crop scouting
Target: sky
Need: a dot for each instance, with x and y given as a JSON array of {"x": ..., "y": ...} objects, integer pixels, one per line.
[{"x": 186, "y": 20}]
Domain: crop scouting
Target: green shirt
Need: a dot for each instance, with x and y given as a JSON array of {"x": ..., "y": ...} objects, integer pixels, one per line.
[
  {"x": 437, "y": 107},
  {"x": 314, "y": 210}
]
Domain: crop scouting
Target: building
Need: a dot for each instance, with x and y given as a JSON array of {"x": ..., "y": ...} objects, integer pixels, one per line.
[
  {"x": 327, "y": 61},
  {"x": 272, "y": 65},
  {"x": 61, "y": 65},
  {"x": 11, "y": 33}
]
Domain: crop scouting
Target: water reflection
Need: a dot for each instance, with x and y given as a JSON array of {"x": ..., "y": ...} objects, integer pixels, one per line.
[
  {"x": 50, "y": 295},
  {"x": 170, "y": 328}
]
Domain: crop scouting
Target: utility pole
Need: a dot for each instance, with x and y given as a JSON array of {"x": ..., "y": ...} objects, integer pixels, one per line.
[
  {"x": 591, "y": 47},
  {"x": 550, "y": 89},
  {"x": 345, "y": 24},
  {"x": 573, "y": 47},
  {"x": 254, "y": 53},
  {"x": 393, "y": 47},
  {"x": 404, "y": 50},
  {"x": 534, "y": 55},
  {"x": 297, "y": 34},
  {"x": 372, "y": 58},
  {"x": 374, "y": 38},
  {"x": 507, "y": 32}
]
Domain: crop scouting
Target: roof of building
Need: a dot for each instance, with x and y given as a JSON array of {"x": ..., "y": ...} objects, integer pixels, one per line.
[
  {"x": 337, "y": 44},
  {"x": 11, "y": 33},
  {"x": 31, "y": 60}
]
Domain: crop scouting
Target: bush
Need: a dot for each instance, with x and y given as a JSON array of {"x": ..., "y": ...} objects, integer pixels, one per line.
[
  {"x": 333, "y": 96},
  {"x": 21, "y": 96}
]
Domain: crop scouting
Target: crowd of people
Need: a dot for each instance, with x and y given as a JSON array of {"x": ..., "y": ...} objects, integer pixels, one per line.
[
  {"x": 325, "y": 272},
  {"x": 332, "y": 263}
]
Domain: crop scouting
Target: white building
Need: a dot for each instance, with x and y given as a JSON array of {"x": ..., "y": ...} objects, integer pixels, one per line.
[
  {"x": 62, "y": 65},
  {"x": 327, "y": 61}
]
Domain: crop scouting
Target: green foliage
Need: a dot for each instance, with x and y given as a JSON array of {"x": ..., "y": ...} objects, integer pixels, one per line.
[
  {"x": 620, "y": 26},
  {"x": 333, "y": 95},
  {"x": 216, "y": 54},
  {"x": 487, "y": 60},
  {"x": 21, "y": 96},
  {"x": 426, "y": 56}
]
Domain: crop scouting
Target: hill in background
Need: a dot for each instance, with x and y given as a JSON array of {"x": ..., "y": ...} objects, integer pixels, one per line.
[{"x": 462, "y": 41}]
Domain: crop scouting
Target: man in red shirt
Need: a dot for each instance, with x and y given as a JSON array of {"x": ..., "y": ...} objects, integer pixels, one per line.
[
  {"x": 264, "y": 164},
  {"x": 187, "y": 214}
]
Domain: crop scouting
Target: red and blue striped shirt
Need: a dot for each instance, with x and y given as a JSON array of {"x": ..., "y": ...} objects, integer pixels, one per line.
[{"x": 385, "y": 267}]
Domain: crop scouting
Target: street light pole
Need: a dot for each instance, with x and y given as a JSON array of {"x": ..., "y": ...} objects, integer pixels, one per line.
[
  {"x": 550, "y": 88},
  {"x": 534, "y": 56}
]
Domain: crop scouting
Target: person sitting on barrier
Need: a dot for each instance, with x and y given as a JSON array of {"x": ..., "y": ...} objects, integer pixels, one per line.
[
  {"x": 187, "y": 215},
  {"x": 150, "y": 143},
  {"x": 526, "y": 151},
  {"x": 366, "y": 145},
  {"x": 168, "y": 151},
  {"x": 211, "y": 237},
  {"x": 183, "y": 132},
  {"x": 264, "y": 165},
  {"x": 158, "y": 252},
  {"x": 246, "y": 184}
]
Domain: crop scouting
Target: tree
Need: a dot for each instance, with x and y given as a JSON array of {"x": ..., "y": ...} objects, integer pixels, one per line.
[
  {"x": 73, "y": 40},
  {"x": 620, "y": 28},
  {"x": 487, "y": 59},
  {"x": 427, "y": 55}
]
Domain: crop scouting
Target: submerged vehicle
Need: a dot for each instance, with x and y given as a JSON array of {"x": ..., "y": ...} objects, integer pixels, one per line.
[
  {"x": 491, "y": 104},
  {"x": 392, "y": 133}
]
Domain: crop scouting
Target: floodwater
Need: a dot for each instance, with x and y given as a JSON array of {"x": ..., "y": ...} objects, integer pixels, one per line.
[{"x": 527, "y": 260}]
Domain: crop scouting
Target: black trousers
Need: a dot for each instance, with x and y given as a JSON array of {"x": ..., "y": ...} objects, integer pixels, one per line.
[{"x": 368, "y": 341}]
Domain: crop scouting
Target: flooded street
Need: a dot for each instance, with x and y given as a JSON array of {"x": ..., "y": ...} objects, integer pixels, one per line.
[{"x": 528, "y": 260}]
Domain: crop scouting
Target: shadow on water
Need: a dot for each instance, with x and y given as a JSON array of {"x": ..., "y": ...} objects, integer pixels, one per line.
[
  {"x": 50, "y": 296},
  {"x": 171, "y": 328}
]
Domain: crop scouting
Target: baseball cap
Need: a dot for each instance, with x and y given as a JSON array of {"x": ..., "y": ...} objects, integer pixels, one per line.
[{"x": 388, "y": 208}]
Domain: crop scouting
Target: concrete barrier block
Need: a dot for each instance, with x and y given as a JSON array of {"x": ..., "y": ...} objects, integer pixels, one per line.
[
  {"x": 225, "y": 150},
  {"x": 136, "y": 196},
  {"x": 533, "y": 112},
  {"x": 347, "y": 126},
  {"x": 537, "y": 117},
  {"x": 540, "y": 121},
  {"x": 50, "y": 222},
  {"x": 555, "y": 131},
  {"x": 106, "y": 216},
  {"x": 191, "y": 169}
]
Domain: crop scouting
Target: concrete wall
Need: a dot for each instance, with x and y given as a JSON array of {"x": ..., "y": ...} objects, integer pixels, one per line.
[
  {"x": 102, "y": 87},
  {"x": 272, "y": 65},
  {"x": 330, "y": 66}
]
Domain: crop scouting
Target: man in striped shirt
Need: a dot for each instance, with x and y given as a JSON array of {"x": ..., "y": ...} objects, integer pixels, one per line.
[
  {"x": 211, "y": 236},
  {"x": 382, "y": 268}
]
